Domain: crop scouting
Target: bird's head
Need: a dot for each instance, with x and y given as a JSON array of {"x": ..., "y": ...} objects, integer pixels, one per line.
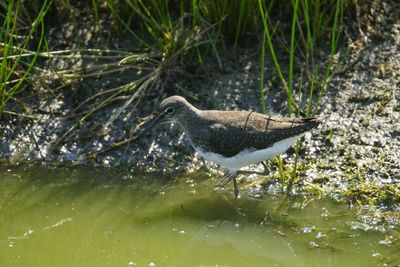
[{"x": 174, "y": 109}]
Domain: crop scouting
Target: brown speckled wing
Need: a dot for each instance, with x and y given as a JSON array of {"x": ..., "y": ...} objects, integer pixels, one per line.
[{"x": 231, "y": 132}]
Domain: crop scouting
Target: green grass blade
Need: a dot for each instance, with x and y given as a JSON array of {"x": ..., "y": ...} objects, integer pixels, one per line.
[{"x": 291, "y": 56}]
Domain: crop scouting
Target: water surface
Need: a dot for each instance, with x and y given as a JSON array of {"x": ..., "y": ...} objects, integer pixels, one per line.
[{"x": 105, "y": 217}]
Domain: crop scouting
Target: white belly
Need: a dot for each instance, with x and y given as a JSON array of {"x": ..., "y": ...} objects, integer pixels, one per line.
[{"x": 249, "y": 156}]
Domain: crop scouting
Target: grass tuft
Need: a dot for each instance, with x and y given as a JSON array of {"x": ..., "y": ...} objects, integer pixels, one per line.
[{"x": 14, "y": 40}]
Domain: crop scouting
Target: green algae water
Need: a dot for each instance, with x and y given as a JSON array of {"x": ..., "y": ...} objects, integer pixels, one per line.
[{"x": 104, "y": 217}]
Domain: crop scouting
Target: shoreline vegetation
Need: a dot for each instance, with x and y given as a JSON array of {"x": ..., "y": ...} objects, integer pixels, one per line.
[{"x": 77, "y": 79}]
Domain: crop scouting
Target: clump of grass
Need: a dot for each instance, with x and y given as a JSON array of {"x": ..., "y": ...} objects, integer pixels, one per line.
[
  {"x": 373, "y": 195},
  {"x": 172, "y": 30},
  {"x": 15, "y": 67},
  {"x": 193, "y": 28},
  {"x": 310, "y": 23}
]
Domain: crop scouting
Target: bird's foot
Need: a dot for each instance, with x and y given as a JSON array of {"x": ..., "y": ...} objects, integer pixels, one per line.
[{"x": 227, "y": 178}]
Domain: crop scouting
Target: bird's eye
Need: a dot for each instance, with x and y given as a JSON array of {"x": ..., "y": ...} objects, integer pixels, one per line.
[{"x": 170, "y": 110}]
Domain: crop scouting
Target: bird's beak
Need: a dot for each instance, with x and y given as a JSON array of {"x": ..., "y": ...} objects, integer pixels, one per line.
[{"x": 149, "y": 123}]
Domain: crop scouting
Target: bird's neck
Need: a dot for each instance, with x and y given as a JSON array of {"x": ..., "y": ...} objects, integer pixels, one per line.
[{"x": 189, "y": 118}]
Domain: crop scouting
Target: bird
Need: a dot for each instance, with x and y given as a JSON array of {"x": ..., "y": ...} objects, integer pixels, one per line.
[{"x": 233, "y": 139}]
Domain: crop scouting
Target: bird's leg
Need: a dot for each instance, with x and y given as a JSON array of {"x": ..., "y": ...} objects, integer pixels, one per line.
[
  {"x": 225, "y": 180},
  {"x": 267, "y": 170},
  {"x": 235, "y": 186}
]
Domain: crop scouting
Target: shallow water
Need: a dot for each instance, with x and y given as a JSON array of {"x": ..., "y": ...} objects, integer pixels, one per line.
[{"x": 98, "y": 217}]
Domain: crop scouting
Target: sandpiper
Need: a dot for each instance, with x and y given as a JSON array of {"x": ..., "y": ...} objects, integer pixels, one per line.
[{"x": 233, "y": 139}]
